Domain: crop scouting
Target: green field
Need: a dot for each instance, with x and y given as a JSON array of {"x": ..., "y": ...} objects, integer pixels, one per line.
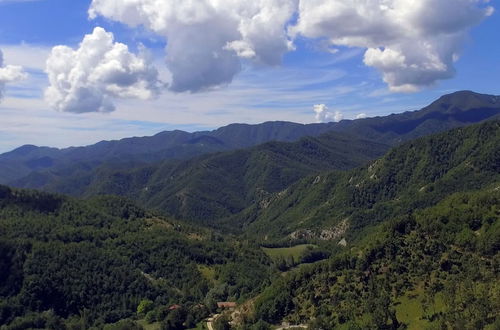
[
  {"x": 207, "y": 272},
  {"x": 295, "y": 252},
  {"x": 410, "y": 310}
]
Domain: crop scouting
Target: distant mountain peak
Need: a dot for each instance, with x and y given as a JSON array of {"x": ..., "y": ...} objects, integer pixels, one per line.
[
  {"x": 449, "y": 111},
  {"x": 24, "y": 149},
  {"x": 468, "y": 99}
]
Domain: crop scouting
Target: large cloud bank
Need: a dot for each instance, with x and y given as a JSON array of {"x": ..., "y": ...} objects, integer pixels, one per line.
[
  {"x": 207, "y": 38},
  {"x": 89, "y": 78},
  {"x": 9, "y": 74},
  {"x": 413, "y": 43}
]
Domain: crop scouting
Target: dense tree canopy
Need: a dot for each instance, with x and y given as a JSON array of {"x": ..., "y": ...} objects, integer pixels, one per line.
[{"x": 410, "y": 240}]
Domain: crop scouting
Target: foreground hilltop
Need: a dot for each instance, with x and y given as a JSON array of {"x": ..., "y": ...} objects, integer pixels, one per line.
[{"x": 71, "y": 264}]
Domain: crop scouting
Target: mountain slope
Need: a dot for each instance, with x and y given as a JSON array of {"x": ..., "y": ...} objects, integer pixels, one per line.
[
  {"x": 209, "y": 188},
  {"x": 416, "y": 239},
  {"x": 435, "y": 268},
  {"x": 416, "y": 174},
  {"x": 94, "y": 261},
  {"x": 165, "y": 145},
  {"x": 453, "y": 110},
  {"x": 449, "y": 111},
  {"x": 421, "y": 228}
]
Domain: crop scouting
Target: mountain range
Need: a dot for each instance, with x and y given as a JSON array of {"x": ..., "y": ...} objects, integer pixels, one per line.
[
  {"x": 449, "y": 111},
  {"x": 419, "y": 238},
  {"x": 212, "y": 187},
  {"x": 215, "y": 188},
  {"x": 378, "y": 223},
  {"x": 414, "y": 175}
]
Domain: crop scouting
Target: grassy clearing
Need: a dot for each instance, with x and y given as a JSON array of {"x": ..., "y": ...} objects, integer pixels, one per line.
[
  {"x": 295, "y": 252},
  {"x": 207, "y": 272},
  {"x": 410, "y": 310}
]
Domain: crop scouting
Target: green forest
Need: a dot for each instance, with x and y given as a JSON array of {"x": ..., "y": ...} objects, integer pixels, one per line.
[
  {"x": 89, "y": 263},
  {"x": 409, "y": 240}
]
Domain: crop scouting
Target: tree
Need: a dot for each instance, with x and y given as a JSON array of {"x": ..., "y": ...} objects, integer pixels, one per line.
[
  {"x": 174, "y": 320},
  {"x": 144, "y": 307},
  {"x": 123, "y": 325}
]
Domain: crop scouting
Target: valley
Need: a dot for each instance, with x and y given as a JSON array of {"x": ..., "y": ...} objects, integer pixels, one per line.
[{"x": 378, "y": 223}]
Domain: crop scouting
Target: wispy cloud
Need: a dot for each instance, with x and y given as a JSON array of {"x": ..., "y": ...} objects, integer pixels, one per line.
[
  {"x": 257, "y": 95},
  {"x": 32, "y": 57},
  {"x": 29, "y": 121}
]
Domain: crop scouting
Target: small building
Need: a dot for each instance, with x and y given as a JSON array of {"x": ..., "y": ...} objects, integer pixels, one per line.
[
  {"x": 174, "y": 307},
  {"x": 226, "y": 304}
]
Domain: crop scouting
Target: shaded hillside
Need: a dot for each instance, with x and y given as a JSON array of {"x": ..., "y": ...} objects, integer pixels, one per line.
[
  {"x": 457, "y": 109},
  {"x": 165, "y": 145},
  {"x": 414, "y": 175},
  {"x": 209, "y": 188},
  {"x": 417, "y": 236},
  {"x": 92, "y": 262}
]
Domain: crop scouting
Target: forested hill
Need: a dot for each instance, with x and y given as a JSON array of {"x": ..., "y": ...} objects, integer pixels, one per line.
[
  {"x": 449, "y": 111},
  {"x": 453, "y": 110},
  {"x": 71, "y": 264},
  {"x": 414, "y": 175},
  {"x": 210, "y": 188},
  {"x": 432, "y": 268},
  {"x": 411, "y": 240},
  {"x": 418, "y": 233},
  {"x": 165, "y": 145}
]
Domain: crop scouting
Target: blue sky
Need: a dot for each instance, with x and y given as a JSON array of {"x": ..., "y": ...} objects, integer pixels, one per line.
[{"x": 325, "y": 66}]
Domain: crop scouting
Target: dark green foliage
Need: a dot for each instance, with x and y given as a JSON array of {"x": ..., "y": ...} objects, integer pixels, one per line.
[
  {"x": 42, "y": 165},
  {"x": 222, "y": 323},
  {"x": 174, "y": 320},
  {"x": 210, "y": 188},
  {"x": 226, "y": 188},
  {"x": 145, "y": 306},
  {"x": 45, "y": 320},
  {"x": 414, "y": 175},
  {"x": 421, "y": 226},
  {"x": 407, "y": 257},
  {"x": 123, "y": 325},
  {"x": 100, "y": 258},
  {"x": 261, "y": 325},
  {"x": 449, "y": 111},
  {"x": 416, "y": 248},
  {"x": 275, "y": 302}
]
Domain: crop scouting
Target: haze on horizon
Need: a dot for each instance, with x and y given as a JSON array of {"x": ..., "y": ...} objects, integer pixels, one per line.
[{"x": 74, "y": 73}]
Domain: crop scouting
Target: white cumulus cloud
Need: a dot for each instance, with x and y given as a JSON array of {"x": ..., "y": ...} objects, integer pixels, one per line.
[
  {"x": 9, "y": 74},
  {"x": 88, "y": 78},
  {"x": 412, "y": 43},
  {"x": 361, "y": 116},
  {"x": 323, "y": 114},
  {"x": 207, "y": 38}
]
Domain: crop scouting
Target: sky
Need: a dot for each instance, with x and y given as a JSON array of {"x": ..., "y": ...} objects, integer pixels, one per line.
[{"x": 80, "y": 71}]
